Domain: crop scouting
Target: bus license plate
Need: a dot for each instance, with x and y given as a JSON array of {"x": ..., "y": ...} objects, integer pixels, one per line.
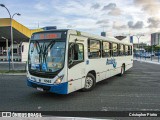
[{"x": 40, "y": 89}]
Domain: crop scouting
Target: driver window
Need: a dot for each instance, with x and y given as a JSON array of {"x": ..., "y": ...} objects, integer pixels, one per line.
[{"x": 76, "y": 52}]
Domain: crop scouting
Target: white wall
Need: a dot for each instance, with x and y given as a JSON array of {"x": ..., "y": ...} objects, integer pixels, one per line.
[{"x": 24, "y": 51}]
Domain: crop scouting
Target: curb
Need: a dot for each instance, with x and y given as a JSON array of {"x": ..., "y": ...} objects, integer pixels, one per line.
[
  {"x": 148, "y": 62},
  {"x": 13, "y": 74},
  {"x": 13, "y": 63}
]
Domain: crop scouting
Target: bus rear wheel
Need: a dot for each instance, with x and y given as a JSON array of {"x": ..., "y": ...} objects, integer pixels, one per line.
[
  {"x": 122, "y": 70},
  {"x": 90, "y": 82}
]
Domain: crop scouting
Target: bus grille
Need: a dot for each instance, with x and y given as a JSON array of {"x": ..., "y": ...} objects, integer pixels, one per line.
[{"x": 46, "y": 88}]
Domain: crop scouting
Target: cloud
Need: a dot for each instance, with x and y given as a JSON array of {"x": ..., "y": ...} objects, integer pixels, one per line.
[
  {"x": 73, "y": 8},
  {"x": 150, "y": 14},
  {"x": 115, "y": 12},
  {"x": 104, "y": 26},
  {"x": 104, "y": 21},
  {"x": 71, "y": 26},
  {"x": 110, "y": 6},
  {"x": 137, "y": 25},
  {"x": 87, "y": 14},
  {"x": 153, "y": 22},
  {"x": 95, "y": 6},
  {"x": 149, "y": 6},
  {"x": 113, "y": 9},
  {"x": 118, "y": 26},
  {"x": 40, "y": 7}
]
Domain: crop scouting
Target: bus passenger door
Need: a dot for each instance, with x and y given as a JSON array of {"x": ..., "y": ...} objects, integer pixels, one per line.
[{"x": 76, "y": 65}]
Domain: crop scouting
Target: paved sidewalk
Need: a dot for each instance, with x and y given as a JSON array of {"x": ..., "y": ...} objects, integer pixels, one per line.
[{"x": 148, "y": 61}]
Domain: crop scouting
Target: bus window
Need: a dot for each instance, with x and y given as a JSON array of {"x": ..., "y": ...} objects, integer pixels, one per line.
[
  {"x": 80, "y": 52},
  {"x": 22, "y": 48},
  {"x": 106, "y": 49},
  {"x": 94, "y": 49},
  {"x": 76, "y": 53},
  {"x": 129, "y": 50},
  {"x": 121, "y": 50},
  {"x": 126, "y": 49},
  {"x": 115, "y": 49}
]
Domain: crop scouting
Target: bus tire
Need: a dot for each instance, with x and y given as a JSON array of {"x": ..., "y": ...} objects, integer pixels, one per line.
[
  {"x": 122, "y": 70},
  {"x": 90, "y": 82}
]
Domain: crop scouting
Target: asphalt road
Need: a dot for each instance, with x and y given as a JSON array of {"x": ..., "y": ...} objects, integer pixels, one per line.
[{"x": 137, "y": 90}]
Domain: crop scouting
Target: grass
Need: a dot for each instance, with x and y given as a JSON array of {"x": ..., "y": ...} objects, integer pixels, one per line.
[{"x": 13, "y": 71}]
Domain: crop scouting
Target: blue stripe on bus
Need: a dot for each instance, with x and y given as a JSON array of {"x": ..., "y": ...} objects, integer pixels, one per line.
[{"x": 59, "y": 88}]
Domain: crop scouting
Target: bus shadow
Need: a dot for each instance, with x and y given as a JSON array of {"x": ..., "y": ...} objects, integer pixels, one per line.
[
  {"x": 111, "y": 81},
  {"x": 105, "y": 82},
  {"x": 49, "y": 95}
]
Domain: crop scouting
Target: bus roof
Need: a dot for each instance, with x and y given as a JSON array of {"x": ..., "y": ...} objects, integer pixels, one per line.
[
  {"x": 92, "y": 36},
  {"x": 89, "y": 35}
]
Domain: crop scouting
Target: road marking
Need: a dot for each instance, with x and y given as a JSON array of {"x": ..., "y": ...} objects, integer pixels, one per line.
[{"x": 126, "y": 109}]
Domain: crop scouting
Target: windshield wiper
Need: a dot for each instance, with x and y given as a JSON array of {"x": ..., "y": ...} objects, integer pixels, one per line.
[{"x": 45, "y": 50}]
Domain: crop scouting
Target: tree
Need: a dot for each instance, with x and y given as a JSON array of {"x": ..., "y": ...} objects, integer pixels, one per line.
[
  {"x": 148, "y": 48},
  {"x": 157, "y": 48}
]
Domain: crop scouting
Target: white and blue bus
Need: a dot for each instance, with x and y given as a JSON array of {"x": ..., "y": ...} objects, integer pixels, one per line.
[{"x": 64, "y": 61}]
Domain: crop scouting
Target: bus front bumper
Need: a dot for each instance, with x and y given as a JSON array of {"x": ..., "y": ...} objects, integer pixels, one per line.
[{"x": 58, "y": 88}]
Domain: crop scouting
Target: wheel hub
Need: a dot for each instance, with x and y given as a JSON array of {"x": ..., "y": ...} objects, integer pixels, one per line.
[{"x": 89, "y": 82}]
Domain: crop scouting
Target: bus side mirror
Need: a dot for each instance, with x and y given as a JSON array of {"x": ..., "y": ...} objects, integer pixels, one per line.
[
  {"x": 71, "y": 62},
  {"x": 71, "y": 45}
]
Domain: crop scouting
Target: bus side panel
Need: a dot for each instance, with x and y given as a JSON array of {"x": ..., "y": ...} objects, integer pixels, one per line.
[
  {"x": 102, "y": 69},
  {"x": 129, "y": 63}
]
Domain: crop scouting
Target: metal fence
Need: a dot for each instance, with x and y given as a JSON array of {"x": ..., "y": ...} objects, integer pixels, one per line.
[
  {"x": 5, "y": 58},
  {"x": 148, "y": 56}
]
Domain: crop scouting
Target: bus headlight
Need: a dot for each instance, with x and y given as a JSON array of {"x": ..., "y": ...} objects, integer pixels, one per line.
[{"x": 59, "y": 79}]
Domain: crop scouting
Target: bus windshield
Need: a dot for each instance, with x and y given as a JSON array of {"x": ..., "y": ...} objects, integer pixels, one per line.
[{"x": 46, "y": 55}]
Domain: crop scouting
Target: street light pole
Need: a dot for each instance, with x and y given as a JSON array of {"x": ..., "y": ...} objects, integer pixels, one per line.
[
  {"x": 138, "y": 37},
  {"x": 12, "y": 37},
  {"x": 11, "y": 17}
]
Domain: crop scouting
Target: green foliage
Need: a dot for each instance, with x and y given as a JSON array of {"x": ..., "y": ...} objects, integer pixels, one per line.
[{"x": 150, "y": 48}]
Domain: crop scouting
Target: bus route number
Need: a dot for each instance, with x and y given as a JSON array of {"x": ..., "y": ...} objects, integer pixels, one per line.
[{"x": 47, "y": 81}]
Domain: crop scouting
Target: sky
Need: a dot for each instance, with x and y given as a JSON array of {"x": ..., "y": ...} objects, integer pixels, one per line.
[{"x": 115, "y": 17}]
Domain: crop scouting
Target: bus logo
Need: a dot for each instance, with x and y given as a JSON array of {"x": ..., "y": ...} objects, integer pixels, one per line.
[{"x": 112, "y": 61}]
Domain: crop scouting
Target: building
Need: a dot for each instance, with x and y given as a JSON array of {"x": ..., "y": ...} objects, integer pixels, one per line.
[
  {"x": 103, "y": 34},
  {"x": 139, "y": 46},
  {"x": 120, "y": 37},
  {"x": 20, "y": 34},
  {"x": 49, "y": 28},
  {"x": 155, "y": 39}
]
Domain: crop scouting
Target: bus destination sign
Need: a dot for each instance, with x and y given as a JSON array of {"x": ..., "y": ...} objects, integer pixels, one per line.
[{"x": 42, "y": 36}]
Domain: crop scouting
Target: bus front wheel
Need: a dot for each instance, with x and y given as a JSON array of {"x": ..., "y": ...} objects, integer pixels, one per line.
[{"x": 90, "y": 82}]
